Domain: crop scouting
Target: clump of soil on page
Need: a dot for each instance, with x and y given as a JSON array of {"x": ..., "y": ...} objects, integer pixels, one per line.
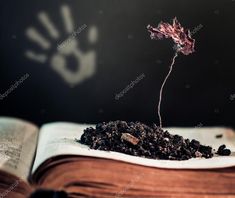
[
  {"x": 138, "y": 139},
  {"x": 222, "y": 150}
]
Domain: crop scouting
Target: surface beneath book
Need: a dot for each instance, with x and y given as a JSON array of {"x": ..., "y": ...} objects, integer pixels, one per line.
[
  {"x": 18, "y": 140},
  {"x": 59, "y": 139}
]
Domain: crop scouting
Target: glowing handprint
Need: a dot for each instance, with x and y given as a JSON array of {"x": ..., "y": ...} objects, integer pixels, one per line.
[{"x": 86, "y": 61}]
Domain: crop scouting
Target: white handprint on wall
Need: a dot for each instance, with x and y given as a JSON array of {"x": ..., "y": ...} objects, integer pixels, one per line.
[{"x": 86, "y": 61}]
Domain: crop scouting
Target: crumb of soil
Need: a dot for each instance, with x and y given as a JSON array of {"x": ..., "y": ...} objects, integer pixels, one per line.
[
  {"x": 219, "y": 136},
  {"x": 138, "y": 139},
  {"x": 222, "y": 150}
]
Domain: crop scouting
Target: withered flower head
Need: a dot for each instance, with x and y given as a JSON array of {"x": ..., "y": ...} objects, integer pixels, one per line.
[{"x": 180, "y": 36}]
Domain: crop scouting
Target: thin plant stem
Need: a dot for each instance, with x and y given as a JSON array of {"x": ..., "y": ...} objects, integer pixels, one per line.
[{"x": 163, "y": 84}]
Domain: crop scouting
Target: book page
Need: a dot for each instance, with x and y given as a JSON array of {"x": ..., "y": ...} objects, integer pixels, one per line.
[
  {"x": 59, "y": 139},
  {"x": 18, "y": 140}
]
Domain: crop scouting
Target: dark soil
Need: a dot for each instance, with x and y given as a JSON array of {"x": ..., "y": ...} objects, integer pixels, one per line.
[
  {"x": 219, "y": 136},
  {"x": 138, "y": 139},
  {"x": 222, "y": 150}
]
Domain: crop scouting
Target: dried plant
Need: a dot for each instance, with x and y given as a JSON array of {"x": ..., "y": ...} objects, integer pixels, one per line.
[{"x": 183, "y": 41}]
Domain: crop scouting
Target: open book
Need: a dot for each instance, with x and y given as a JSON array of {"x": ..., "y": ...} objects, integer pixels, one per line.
[{"x": 51, "y": 158}]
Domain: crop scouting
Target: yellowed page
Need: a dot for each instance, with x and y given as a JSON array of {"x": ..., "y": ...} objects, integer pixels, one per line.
[
  {"x": 18, "y": 140},
  {"x": 59, "y": 139}
]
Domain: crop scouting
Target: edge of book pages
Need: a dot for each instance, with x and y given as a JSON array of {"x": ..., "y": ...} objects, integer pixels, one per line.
[{"x": 59, "y": 139}]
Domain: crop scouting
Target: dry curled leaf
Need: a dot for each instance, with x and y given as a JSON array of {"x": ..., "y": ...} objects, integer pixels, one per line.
[{"x": 180, "y": 36}]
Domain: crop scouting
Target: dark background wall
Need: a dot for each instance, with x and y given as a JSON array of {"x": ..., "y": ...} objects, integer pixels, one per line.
[{"x": 200, "y": 91}]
